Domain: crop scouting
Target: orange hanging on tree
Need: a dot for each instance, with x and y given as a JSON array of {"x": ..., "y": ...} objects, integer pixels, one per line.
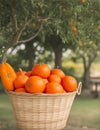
[
  {"x": 83, "y": 1},
  {"x": 74, "y": 29}
]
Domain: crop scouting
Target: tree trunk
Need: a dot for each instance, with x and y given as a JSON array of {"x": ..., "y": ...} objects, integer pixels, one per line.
[
  {"x": 86, "y": 74},
  {"x": 30, "y": 55},
  {"x": 31, "y": 61},
  {"x": 87, "y": 66},
  {"x": 86, "y": 78},
  {"x": 57, "y": 46},
  {"x": 58, "y": 56}
]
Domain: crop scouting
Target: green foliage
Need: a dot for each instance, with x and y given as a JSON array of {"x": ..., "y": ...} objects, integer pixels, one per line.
[{"x": 57, "y": 19}]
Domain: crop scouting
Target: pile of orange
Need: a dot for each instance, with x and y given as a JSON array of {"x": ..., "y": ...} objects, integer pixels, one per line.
[{"x": 41, "y": 79}]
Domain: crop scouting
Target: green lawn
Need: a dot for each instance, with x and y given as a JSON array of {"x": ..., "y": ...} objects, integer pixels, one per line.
[
  {"x": 85, "y": 112},
  {"x": 7, "y": 120}
]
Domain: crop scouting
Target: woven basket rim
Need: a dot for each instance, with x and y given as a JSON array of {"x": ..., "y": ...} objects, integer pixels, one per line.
[{"x": 39, "y": 94}]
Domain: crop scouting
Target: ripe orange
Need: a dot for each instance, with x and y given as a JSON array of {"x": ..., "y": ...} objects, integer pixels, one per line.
[
  {"x": 28, "y": 73},
  {"x": 41, "y": 70},
  {"x": 35, "y": 84},
  {"x": 33, "y": 24},
  {"x": 20, "y": 90},
  {"x": 54, "y": 78},
  {"x": 69, "y": 83},
  {"x": 8, "y": 75},
  {"x": 74, "y": 29},
  {"x": 20, "y": 81},
  {"x": 99, "y": 26},
  {"x": 83, "y": 1},
  {"x": 20, "y": 72},
  {"x": 58, "y": 72},
  {"x": 45, "y": 81},
  {"x": 54, "y": 87}
]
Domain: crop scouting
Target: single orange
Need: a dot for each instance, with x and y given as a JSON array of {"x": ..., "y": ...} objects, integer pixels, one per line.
[
  {"x": 58, "y": 72},
  {"x": 20, "y": 90},
  {"x": 69, "y": 83},
  {"x": 45, "y": 81},
  {"x": 54, "y": 87},
  {"x": 33, "y": 24},
  {"x": 8, "y": 75},
  {"x": 35, "y": 84},
  {"x": 28, "y": 73},
  {"x": 54, "y": 78},
  {"x": 41, "y": 70},
  {"x": 83, "y": 1},
  {"x": 74, "y": 29},
  {"x": 20, "y": 81},
  {"x": 20, "y": 72}
]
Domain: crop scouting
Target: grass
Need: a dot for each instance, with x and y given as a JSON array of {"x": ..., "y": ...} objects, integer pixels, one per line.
[
  {"x": 7, "y": 119},
  {"x": 85, "y": 112}
]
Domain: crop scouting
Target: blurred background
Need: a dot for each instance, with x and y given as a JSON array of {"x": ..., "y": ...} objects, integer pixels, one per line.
[{"x": 63, "y": 34}]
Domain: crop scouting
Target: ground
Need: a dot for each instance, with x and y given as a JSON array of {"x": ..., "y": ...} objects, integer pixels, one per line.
[
  {"x": 81, "y": 128},
  {"x": 84, "y": 115},
  {"x": 66, "y": 128}
]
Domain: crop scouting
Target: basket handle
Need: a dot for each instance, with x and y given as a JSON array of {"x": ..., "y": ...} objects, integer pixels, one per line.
[{"x": 79, "y": 88}]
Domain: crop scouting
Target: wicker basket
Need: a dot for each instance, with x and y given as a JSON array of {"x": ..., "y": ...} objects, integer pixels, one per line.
[{"x": 41, "y": 111}]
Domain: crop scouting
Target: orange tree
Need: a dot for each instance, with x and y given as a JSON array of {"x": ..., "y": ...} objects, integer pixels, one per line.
[
  {"x": 56, "y": 34},
  {"x": 87, "y": 35},
  {"x": 63, "y": 23},
  {"x": 78, "y": 23},
  {"x": 22, "y": 21}
]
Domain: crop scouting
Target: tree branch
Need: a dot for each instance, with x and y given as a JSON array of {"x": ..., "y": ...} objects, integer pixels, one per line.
[
  {"x": 14, "y": 18},
  {"x": 19, "y": 33},
  {"x": 32, "y": 37},
  {"x": 91, "y": 59},
  {"x": 15, "y": 22},
  {"x": 84, "y": 62},
  {"x": 14, "y": 41}
]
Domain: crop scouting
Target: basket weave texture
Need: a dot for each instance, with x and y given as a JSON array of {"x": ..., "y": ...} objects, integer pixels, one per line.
[{"x": 41, "y": 111}]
